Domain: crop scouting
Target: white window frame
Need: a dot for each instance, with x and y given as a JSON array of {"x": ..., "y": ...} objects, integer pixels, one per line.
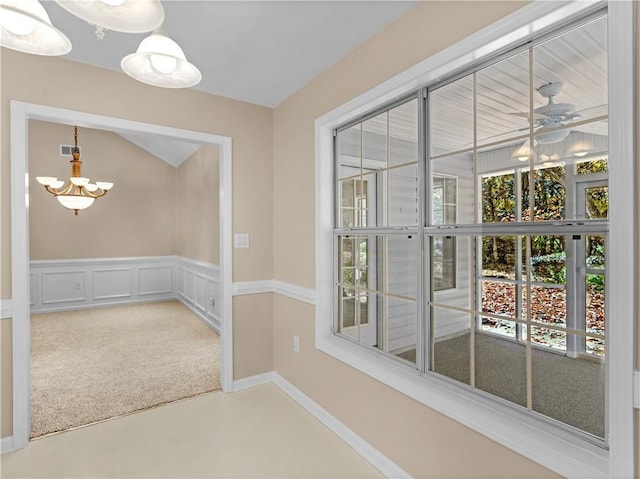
[
  {"x": 555, "y": 448},
  {"x": 454, "y": 288}
]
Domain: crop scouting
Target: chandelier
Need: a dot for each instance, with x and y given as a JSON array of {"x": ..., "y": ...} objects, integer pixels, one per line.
[{"x": 79, "y": 193}]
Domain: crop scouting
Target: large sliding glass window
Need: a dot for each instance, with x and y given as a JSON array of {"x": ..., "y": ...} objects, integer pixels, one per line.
[{"x": 483, "y": 261}]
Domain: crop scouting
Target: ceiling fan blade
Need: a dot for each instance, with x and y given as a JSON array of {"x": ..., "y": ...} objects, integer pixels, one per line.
[
  {"x": 537, "y": 117},
  {"x": 591, "y": 112},
  {"x": 595, "y": 128}
]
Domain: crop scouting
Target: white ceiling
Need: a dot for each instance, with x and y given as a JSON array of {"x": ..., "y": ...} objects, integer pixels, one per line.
[{"x": 255, "y": 51}]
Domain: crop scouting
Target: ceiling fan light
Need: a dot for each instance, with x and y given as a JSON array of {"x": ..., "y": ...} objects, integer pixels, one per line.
[
  {"x": 160, "y": 61},
  {"x": 581, "y": 145},
  {"x": 547, "y": 137},
  {"x": 128, "y": 16},
  {"x": 25, "y": 27}
]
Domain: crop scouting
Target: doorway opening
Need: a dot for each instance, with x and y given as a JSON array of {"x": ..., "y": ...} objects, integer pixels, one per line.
[{"x": 21, "y": 113}]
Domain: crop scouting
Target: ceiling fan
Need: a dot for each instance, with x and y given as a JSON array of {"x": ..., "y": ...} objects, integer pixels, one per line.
[{"x": 551, "y": 115}]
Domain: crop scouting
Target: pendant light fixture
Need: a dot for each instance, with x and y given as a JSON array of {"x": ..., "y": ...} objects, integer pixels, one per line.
[
  {"x": 79, "y": 193},
  {"x": 25, "y": 27},
  {"x": 128, "y": 16},
  {"x": 160, "y": 61}
]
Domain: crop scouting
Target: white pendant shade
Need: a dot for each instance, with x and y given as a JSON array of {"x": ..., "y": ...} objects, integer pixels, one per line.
[
  {"x": 25, "y": 27},
  {"x": 160, "y": 61},
  {"x": 46, "y": 180},
  {"x": 129, "y": 16},
  {"x": 79, "y": 180},
  {"x": 75, "y": 202},
  {"x": 104, "y": 185}
]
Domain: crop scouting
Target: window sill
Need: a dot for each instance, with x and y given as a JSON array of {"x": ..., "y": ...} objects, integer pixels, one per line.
[{"x": 553, "y": 447}]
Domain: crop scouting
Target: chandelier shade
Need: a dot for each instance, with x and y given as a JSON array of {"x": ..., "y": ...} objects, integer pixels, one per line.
[
  {"x": 79, "y": 193},
  {"x": 128, "y": 16},
  {"x": 25, "y": 27},
  {"x": 75, "y": 202},
  {"x": 159, "y": 61}
]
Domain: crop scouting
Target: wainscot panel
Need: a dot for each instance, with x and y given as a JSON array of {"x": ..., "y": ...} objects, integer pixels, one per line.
[
  {"x": 60, "y": 285},
  {"x": 199, "y": 289}
]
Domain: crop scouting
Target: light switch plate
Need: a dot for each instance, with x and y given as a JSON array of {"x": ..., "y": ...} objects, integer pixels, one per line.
[{"x": 241, "y": 240}]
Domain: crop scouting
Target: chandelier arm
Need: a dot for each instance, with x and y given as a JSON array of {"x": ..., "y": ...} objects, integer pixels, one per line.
[
  {"x": 66, "y": 189},
  {"x": 86, "y": 192}
]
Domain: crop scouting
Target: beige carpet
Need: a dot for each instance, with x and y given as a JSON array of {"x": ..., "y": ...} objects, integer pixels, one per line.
[{"x": 95, "y": 364}]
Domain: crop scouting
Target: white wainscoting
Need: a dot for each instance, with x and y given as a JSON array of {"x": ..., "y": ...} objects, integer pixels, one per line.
[
  {"x": 198, "y": 287},
  {"x": 59, "y": 285}
]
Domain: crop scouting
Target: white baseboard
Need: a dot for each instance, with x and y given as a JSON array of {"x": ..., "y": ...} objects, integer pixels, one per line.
[
  {"x": 6, "y": 445},
  {"x": 251, "y": 381},
  {"x": 362, "y": 447}
]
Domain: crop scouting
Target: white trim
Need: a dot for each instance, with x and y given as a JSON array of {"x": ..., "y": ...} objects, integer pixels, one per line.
[
  {"x": 6, "y": 445},
  {"x": 20, "y": 115},
  {"x": 206, "y": 273},
  {"x": 306, "y": 295},
  {"x": 362, "y": 447},
  {"x": 6, "y": 308},
  {"x": 111, "y": 260},
  {"x": 552, "y": 447},
  {"x": 241, "y": 288},
  {"x": 252, "y": 381},
  {"x": 636, "y": 388},
  {"x": 621, "y": 287}
]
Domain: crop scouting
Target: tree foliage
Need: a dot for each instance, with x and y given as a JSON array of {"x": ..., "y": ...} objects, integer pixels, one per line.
[{"x": 549, "y": 204}]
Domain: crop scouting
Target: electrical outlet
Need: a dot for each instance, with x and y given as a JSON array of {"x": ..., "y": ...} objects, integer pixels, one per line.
[{"x": 296, "y": 344}]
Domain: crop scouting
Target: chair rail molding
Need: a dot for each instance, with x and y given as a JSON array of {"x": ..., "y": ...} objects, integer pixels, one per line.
[{"x": 300, "y": 293}]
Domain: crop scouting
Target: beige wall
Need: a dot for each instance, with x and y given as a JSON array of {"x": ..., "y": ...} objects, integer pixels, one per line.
[
  {"x": 421, "y": 441},
  {"x": 60, "y": 83},
  {"x": 377, "y": 413},
  {"x": 135, "y": 218},
  {"x": 254, "y": 355},
  {"x": 197, "y": 206},
  {"x": 155, "y": 209}
]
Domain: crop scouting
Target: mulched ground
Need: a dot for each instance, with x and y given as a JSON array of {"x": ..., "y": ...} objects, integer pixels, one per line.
[{"x": 548, "y": 306}]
